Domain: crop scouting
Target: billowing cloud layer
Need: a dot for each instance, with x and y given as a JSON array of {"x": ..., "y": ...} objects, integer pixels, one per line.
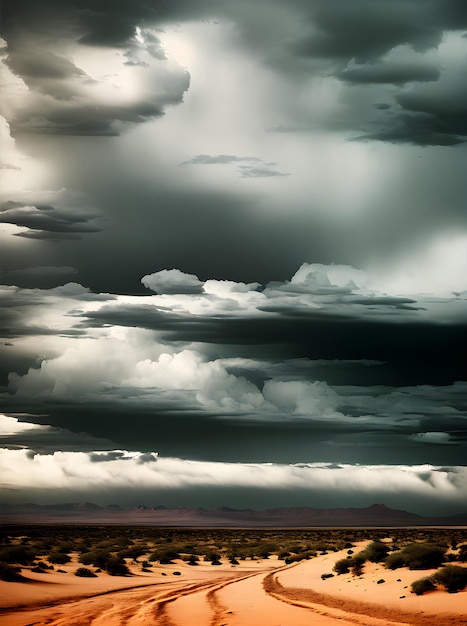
[
  {"x": 318, "y": 355},
  {"x": 81, "y": 90},
  {"x": 105, "y": 474},
  {"x": 352, "y": 43},
  {"x": 178, "y": 162}
]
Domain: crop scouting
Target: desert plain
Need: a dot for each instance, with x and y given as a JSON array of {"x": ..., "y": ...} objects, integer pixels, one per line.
[{"x": 228, "y": 578}]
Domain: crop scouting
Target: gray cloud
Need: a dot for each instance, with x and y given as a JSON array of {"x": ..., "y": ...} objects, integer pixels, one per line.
[
  {"x": 259, "y": 172},
  {"x": 362, "y": 32},
  {"x": 390, "y": 72},
  {"x": 50, "y": 222},
  {"x": 236, "y": 357},
  {"x": 222, "y": 159},
  {"x": 61, "y": 98},
  {"x": 262, "y": 170},
  {"x": 365, "y": 30},
  {"x": 117, "y": 471}
]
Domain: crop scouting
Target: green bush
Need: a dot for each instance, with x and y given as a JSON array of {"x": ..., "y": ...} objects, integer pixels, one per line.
[
  {"x": 192, "y": 559},
  {"x": 452, "y": 577},
  {"x": 134, "y": 552},
  {"x": 84, "y": 572},
  {"x": 10, "y": 573},
  {"x": 420, "y": 586},
  {"x": 98, "y": 558},
  {"x": 462, "y": 556},
  {"x": 59, "y": 558},
  {"x": 375, "y": 552},
  {"x": 165, "y": 557},
  {"x": 17, "y": 554},
  {"x": 342, "y": 566},
  {"x": 116, "y": 566},
  {"x": 417, "y": 556},
  {"x": 394, "y": 561},
  {"x": 102, "y": 559}
]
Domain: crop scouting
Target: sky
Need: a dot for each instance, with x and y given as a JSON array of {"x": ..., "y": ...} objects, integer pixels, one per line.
[{"x": 233, "y": 247}]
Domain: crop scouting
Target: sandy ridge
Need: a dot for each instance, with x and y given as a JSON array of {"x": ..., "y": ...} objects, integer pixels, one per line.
[{"x": 352, "y": 610}]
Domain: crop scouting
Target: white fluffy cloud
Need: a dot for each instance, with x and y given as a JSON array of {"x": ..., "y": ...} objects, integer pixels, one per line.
[
  {"x": 99, "y": 471},
  {"x": 302, "y": 397},
  {"x": 172, "y": 281},
  {"x": 79, "y": 359}
]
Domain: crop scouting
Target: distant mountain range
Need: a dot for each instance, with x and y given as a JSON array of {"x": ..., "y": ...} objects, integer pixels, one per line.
[{"x": 377, "y": 515}]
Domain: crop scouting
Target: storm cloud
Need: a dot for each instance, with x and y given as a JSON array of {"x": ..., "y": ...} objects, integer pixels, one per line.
[{"x": 261, "y": 208}]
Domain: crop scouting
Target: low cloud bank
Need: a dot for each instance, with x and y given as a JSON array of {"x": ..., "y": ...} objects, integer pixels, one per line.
[{"x": 105, "y": 474}]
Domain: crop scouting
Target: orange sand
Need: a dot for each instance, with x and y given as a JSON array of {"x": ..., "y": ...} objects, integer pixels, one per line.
[{"x": 254, "y": 593}]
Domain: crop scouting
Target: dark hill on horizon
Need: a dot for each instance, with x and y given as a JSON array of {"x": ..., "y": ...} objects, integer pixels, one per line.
[{"x": 223, "y": 517}]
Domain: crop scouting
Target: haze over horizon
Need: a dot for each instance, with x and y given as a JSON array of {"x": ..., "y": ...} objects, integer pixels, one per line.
[{"x": 234, "y": 253}]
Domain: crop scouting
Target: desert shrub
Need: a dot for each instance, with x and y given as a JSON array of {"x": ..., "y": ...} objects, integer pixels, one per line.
[
  {"x": 452, "y": 577},
  {"x": 64, "y": 548},
  {"x": 375, "y": 552},
  {"x": 423, "y": 555},
  {"x": 59, "y": 558},
  {"x": 357, "y": 569},
  {"x": 102, "y": 559},
  {"x": 116, "y": 566},
  {"x": 192, "y": 559},
  {"x": 325, "y": 576},
  {"x": 17, "y": 554},
  {"x": 98, "y": 558},
  {"x": 417, "y": 556},
  {"x": 420, "y": 586},
  {"x": 462, "y": 556},
  {"x": 84, "y": 572},
  {"x": 394, "y": 561},
  {"x": 165, "y": 557},
  {"x": 133, "y": 552},
  {"x": 342, "y": 566},
  {"x": 10, "y": 573}
]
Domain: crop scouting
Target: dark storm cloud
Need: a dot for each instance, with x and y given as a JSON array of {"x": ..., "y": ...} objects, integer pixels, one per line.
[
  {"x": 338, "y": 33},
  {"x": 100, "y": 120},
  {"x": 46, "y": 439},
  {"x": 306, "y": 369},
  {"x": 40, "y": 272},
  {"x": 411, "y": 352},
  {"x": 365, "y": 30},
  {"x": 61, "y": 97},
  {"x": 397, "y": 73},
  {"x": 46, "y": 72},
  {"x": 49, "y": 222},
  {"x": 42, "y": 276}
]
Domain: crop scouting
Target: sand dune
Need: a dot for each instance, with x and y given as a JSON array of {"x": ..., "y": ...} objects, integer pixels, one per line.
[{"x": 254, "y": 593}]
